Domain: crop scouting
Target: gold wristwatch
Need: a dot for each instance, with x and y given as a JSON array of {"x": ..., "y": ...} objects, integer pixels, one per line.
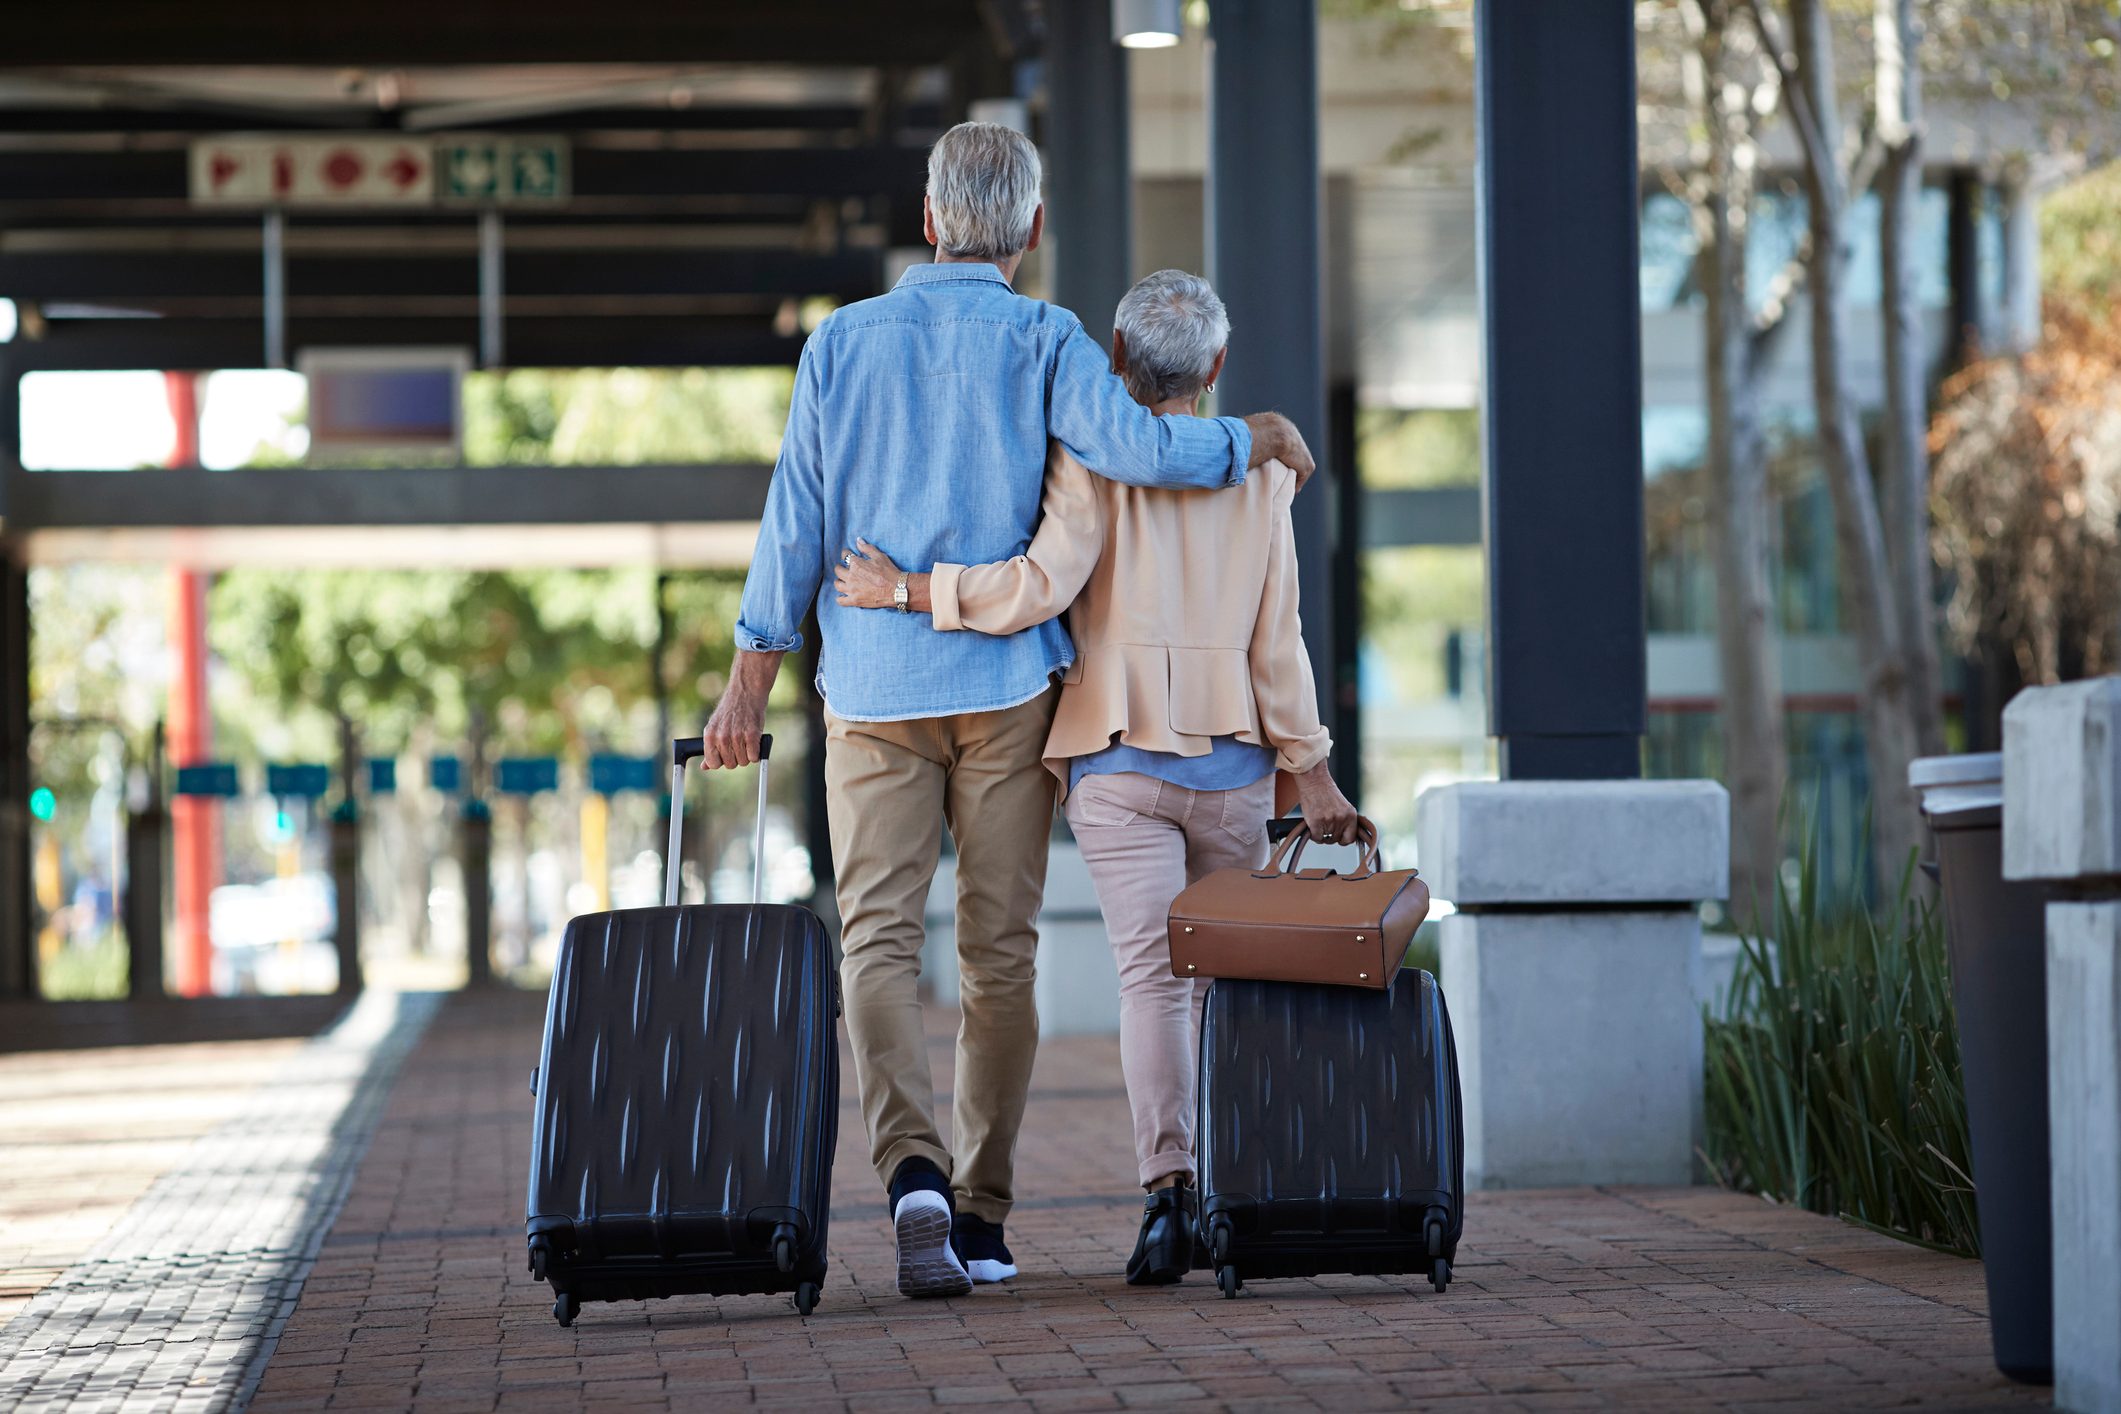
[{"x": 898, "y": 595}]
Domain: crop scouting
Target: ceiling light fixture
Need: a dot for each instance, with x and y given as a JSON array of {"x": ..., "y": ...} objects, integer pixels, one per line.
[{"x": 1147, "y": 24}]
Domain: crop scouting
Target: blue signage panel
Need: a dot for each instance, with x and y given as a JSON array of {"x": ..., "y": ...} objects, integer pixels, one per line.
[
  {"x": 445, "y": 773},
  {"x": 216, "y": 778},
  {"x": 382, "y": 775},
  {"x": 610, "y": 773},
  {"x": 300, "y": 780},
  {"x": 526, "y": 775}
]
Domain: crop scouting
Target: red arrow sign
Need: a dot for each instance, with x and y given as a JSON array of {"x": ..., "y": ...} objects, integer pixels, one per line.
[
  {"x": 221, "y": 168},
  {"x": 403, "y": 169}
]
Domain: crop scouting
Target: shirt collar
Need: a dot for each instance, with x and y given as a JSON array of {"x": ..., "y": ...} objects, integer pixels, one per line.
[{"x": 936, "y": 272}]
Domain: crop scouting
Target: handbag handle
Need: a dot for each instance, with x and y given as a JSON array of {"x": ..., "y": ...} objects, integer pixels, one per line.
[{"x": 1290, "y": 854}]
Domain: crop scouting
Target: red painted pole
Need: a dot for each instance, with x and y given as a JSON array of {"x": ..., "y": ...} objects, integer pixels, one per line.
[{"x": 195, "y": 834}]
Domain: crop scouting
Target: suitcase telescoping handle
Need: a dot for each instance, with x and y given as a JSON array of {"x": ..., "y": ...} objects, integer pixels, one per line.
[{"x": 690, "y": 748}]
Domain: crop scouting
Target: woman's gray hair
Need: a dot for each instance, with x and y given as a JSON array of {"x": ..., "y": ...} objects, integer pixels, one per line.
[
  {"x": 1174, "y": 325},
  {"x": 983, "y": 191}
]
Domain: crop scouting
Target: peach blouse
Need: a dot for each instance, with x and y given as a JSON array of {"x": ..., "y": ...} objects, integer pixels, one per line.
[{"x": 1182, "y": 605}]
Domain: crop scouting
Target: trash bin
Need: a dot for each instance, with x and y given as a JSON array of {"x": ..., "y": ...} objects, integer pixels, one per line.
[{"x": 1997, "y": 934}]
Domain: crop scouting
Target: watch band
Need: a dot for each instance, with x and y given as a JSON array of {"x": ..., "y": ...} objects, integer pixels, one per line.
[{"x": 899, "y": 595}]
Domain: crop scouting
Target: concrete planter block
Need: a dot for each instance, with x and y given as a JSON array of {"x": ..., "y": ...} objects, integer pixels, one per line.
[
  {"x": 1573, "y": 842},
  {"x": 1579, "y": 1022},
  {"x": 2062, "y": 782},
  {"x": 1579, "y": 1045},
  {"x": 2084, "y": 1083},
  {"x": 1078, "y": 982}
]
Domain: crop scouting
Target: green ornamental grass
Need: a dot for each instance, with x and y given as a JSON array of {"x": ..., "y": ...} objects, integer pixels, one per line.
[{"x": 1834, "y": 1082}]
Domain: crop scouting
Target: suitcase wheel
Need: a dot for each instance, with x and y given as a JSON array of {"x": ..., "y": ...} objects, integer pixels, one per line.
[
  {"x": 1440, "y": 1273},
  {"x": 1433, "y": 1233},
  {"x": 1219, "y": 1241},
  {"x": 806, "y": 1298},
  {"x": 565, "y": 1307},
  {"x": 784, "y": 1246},
  {"x": 537, "y": 1261},
  {"x": 1227, "y": 1278}
]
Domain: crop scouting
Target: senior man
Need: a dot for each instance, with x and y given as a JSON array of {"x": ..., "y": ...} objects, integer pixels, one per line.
[{"x": 921, "y": 417}]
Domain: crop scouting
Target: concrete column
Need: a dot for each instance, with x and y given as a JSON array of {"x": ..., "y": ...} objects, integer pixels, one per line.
[
  {"x": 1573, "y": 967},
  {"x": 1264, "y": 249},
  {"x": 2021, "y": 267},
  {"x": 1089, "y": 166},
  {"x": 2062, "y": 823}
]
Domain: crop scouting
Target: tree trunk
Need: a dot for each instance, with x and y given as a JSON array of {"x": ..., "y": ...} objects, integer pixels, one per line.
[
  {"x": 1755, "y": 751},
  {"x": 1907, "y": 521},
  {"x": 1859, "y": 533}
]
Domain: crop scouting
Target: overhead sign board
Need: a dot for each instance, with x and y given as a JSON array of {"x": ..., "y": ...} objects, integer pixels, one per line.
[
  {"x": 610, "y": 773},
  {"x": 312, "y": 171},
  {"x": 211, "y": 778},
  {"x": 500, "y": 169},
  {"x": 526, "y": 775},
  {"x": 382, "y": 775},
  {"x": 445, "y": 773},
  {"x": 297, "y": 780},
  {"x": 328, "y": 171}
]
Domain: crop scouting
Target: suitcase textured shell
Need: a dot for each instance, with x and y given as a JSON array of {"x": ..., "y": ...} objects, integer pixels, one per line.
[
  {"x": 1330, "y": 1135},
  {"x": 687, "y": 1104}
]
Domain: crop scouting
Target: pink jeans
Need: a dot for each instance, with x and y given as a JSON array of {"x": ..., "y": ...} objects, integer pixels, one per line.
[{"x": 1144, "y": 840}]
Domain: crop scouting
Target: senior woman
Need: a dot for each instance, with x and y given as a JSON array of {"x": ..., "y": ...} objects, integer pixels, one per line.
[{"x": 1190, "y": 687}]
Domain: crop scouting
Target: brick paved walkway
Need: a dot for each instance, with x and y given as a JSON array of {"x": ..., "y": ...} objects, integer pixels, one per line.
[
  {"x": 178, "y": 1303},
  {"x": 83, "y": 1134},
  {"x": 1574, "y": 1299}
]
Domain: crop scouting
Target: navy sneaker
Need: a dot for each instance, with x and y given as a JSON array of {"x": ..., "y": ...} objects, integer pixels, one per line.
[
  {"x": 980, "y": 1247},
  {"x": 920, "y": 1219}
]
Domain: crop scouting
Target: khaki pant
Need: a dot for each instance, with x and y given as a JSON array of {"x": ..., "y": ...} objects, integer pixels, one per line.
[
  {"x": 1144, "y": 840},
  {"x": 890, "y": 787}
]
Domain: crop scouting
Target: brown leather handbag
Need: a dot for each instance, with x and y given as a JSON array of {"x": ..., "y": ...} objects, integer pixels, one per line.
[{"x": 1287, "y": 924}]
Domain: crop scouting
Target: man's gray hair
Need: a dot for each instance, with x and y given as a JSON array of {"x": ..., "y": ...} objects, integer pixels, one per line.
[
  {"x": 983, "y": 191},
  {"x": 1174, "y": 325}
]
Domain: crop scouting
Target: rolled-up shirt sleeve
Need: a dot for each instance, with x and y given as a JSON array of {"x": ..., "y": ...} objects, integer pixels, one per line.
[
  {"x": 1091, "y": 413},
  {"x": 1282, "y": 686},
  {"x": 1010, "y": 595},
  {"x": 788, "y": 565}
]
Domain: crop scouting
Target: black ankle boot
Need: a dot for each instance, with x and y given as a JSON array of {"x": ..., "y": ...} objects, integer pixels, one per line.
[{"x": 1164, "y": 1252}]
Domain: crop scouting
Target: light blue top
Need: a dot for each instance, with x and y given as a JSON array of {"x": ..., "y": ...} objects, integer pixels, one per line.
[
  {"x": 1229, "y": 765},
  {"x": 920, "y": 420}
]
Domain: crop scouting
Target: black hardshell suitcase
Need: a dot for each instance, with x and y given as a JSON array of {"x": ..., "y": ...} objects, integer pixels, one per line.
[
  {"x": 1329, "y": 1131},
  {"x": 687, "y": 1097}
]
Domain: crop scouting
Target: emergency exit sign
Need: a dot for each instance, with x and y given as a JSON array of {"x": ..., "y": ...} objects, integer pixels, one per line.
[
  {"x": 506, "y": 170},
  {"x": 340, "y": 171}
]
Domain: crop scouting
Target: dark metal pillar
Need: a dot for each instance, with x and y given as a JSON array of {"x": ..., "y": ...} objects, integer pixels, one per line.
[
  {"x": 1963, "y": 264},
  {"x": 1089, "y": 168},
  {"x": 146, "y": 866},
  {"x": 1342, "y": 703},
  {"x": 1264, "y": 246},
  {"x": 1562, "y": 409},
  {"x": 18, "y": 952}
]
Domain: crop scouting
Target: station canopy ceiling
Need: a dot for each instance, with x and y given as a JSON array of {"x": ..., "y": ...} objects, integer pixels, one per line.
[{"x": 673, "y": 181}]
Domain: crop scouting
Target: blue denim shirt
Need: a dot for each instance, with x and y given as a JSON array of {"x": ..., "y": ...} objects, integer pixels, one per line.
[
  {"x": 919, "y": 422},
  {"x": 1229, "y": 765}
]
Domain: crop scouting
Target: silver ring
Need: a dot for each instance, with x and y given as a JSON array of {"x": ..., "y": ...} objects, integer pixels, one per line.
[
  {"x": 847, "y": 559},
  {"x": 1325, "y": 839}
]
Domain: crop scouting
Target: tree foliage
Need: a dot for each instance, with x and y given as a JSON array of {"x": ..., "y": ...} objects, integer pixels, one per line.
[{"x": 2028, "y": 488}]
